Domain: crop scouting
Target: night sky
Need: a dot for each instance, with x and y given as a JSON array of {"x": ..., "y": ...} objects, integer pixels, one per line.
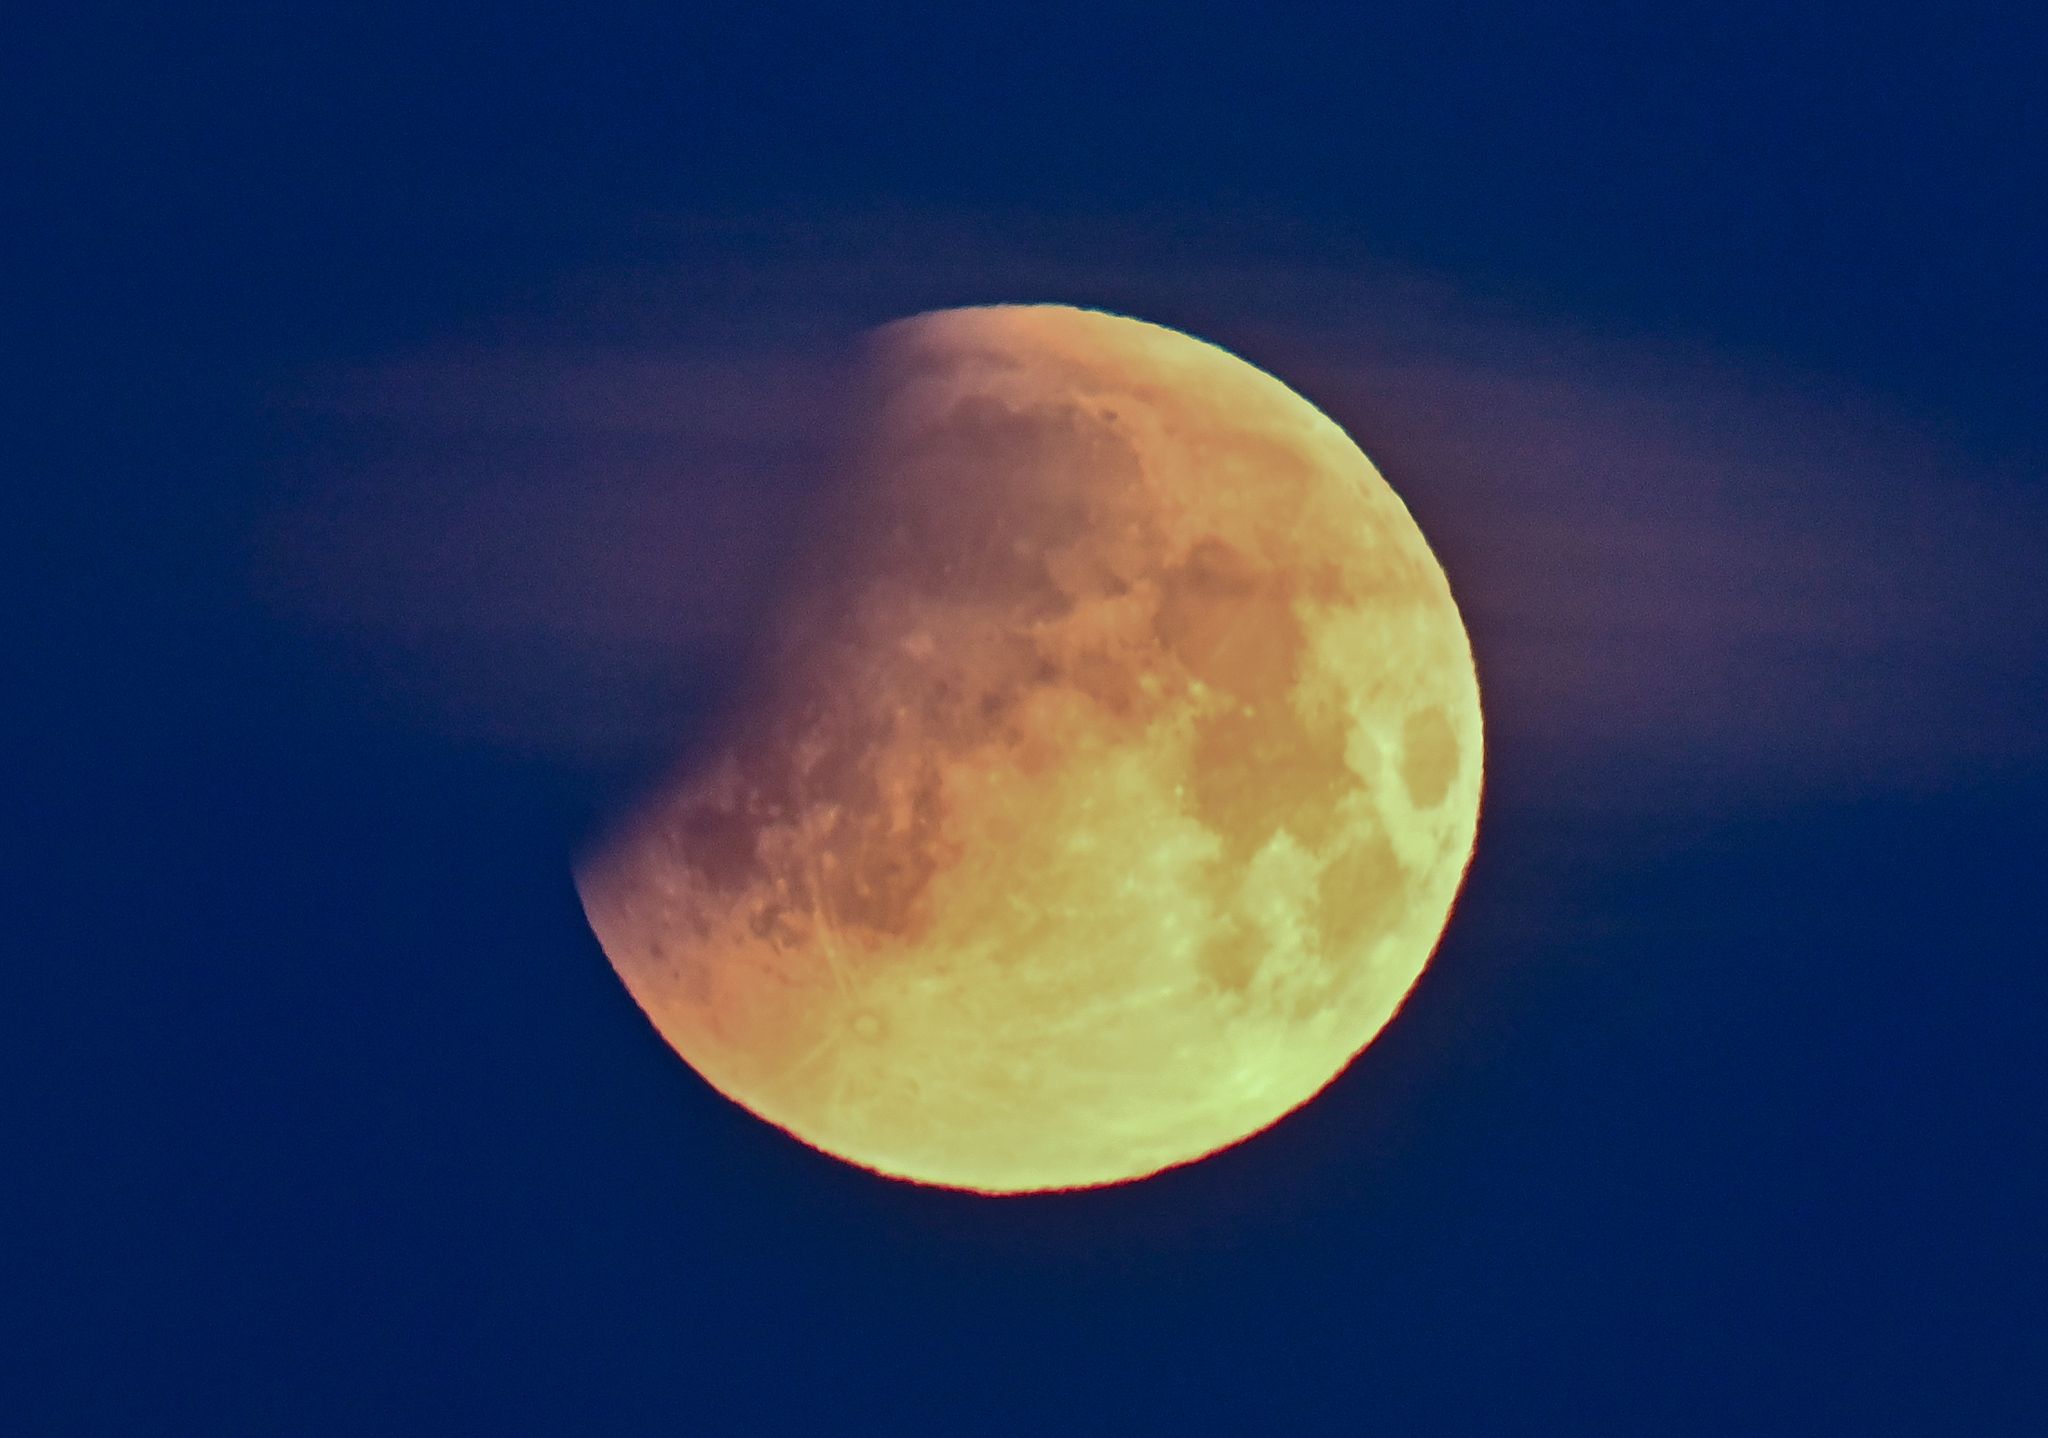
[{"x": 406, "y": 419}]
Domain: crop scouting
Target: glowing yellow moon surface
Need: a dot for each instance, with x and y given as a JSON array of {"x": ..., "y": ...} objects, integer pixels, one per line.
[{"x": 1106, "y": 793}]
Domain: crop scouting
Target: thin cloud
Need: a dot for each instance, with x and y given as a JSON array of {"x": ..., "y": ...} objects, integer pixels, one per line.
[{"x": 1690, "y": 578}]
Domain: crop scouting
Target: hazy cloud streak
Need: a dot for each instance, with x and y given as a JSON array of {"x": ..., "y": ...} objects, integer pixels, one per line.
[{"x": 1690, "y": 579}]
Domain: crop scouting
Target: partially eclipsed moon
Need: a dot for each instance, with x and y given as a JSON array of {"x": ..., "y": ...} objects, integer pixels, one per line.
[{"x": 1106, "y": 793}]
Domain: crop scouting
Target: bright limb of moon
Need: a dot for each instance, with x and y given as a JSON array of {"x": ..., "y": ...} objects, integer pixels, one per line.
[{"x": 1106, "y": 794}]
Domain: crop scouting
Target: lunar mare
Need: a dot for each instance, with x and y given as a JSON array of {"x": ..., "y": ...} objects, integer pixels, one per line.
[{"x": 1106, "y": 791}]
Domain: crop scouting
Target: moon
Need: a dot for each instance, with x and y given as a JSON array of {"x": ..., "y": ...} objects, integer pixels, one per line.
[{"x": 1106, "y": 789}]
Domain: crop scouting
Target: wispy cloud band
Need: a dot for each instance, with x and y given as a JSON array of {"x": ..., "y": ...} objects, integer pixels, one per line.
[{"x": 1691, "y": 578}]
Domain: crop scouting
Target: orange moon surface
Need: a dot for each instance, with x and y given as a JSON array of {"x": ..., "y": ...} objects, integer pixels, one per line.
[{"x": 1105, "y": 791}]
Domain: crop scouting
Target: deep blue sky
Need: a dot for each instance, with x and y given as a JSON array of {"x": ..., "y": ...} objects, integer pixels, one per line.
[{"x": 1720, "y": 1111}]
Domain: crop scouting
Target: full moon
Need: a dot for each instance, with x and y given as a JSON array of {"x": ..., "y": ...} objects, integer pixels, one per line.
[{"x": 1105, "y": 788}]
